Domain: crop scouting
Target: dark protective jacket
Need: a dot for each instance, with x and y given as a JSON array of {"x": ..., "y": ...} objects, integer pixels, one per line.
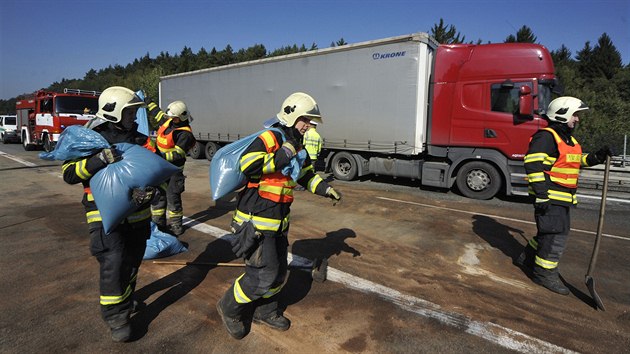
[
  {"x": 552, "y": 164},
  {"x": 81, "y": 171},
  {"x": 173, "y": 140}
]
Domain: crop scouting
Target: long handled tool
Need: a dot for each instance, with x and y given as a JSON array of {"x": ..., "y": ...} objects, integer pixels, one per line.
[
  {"x": 590, "y": 283},
  {"x": 318, "y": 269}
]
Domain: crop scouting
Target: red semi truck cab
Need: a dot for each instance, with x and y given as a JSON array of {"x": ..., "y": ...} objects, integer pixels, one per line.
[
  {"x": 44, "y": 115},
  {"x": 487, "y": 102}
]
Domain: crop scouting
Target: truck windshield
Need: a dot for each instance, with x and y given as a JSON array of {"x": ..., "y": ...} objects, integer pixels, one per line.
[
  {"x": 9, "y": 121},
  {"x": 76, "y": 105},
  {"x": 544, "y": 98}
]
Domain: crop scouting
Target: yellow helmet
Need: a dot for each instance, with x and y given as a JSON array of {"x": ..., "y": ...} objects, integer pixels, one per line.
[
  {"x": 562, "y": 108},
  {"x": 114, "y": 100},
  {"x": 298, "y": 105},
  {"x": 178, "y": 109}
]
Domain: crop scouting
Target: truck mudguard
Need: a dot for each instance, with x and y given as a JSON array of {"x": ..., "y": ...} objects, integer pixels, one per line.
[{"x": 112, "y": 185}]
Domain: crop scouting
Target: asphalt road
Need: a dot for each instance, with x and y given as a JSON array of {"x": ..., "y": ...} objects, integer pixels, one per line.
[{"x": 411, "y": 270}]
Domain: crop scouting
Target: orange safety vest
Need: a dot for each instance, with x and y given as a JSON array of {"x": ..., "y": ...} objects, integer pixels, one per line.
[
  {"x": 149, "y": 145},
  {"x": 274, "y": 186},
  {"x": 165, "y": 141},
  {"x": 566, "y": 169}
]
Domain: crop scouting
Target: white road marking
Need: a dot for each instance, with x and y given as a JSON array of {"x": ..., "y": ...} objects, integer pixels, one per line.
[
  {"x": 17, "y": 159},
  {"x": 494, "y": 216},
  {"x": 489, "y": 331}
]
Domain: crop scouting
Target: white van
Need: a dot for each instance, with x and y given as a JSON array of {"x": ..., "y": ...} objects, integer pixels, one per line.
[{"x": 8, "y": 129}]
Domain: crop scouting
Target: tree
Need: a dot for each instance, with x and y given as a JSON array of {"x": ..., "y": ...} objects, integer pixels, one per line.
[
  {"x": 562, "y": 55},
  {"x": 446, "y": 35},
  {"x": 606, "y": 58},
  {"x": 523, "y": 35}
]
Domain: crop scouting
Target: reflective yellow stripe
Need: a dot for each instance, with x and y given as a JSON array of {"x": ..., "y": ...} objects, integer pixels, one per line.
[
  {"x": 549, "y": 160},
  {"x": 139, "y": 215},
  {"x": 273, "y": 291},
  {"x": 566, "y": 170},
  {"x": 269, "y": 166},
  {"x": 151, "y": 105},
  {"x": 540, "y": 156},
  {"x": 81, "y": 170},
  {"x": 90, "y": 197},
  {"x": 248, "y": 159},
  {"x": 305, "y": 170},
  {"x": 158, "y": 212},
  {"x": 65, "y": 166},
  {"x": 545, "y": 263},
  {"x": 172, "y": 214},
  {"x": 239, "y": 295},
  {"x": 542, "y": 200},
  {"x": 562, "y": 196},
  {"x": 93, "y": 216},
  {"x": 261, "y": 223},
  {"x": 536, "y": 177},
  {"x": 533, "y": 243},
  {"x": 571, "y": 181},
  {"x": 269, "y": 140},
  {"x": 116, "y": 299},
  {"x": 314, "y": 182}
]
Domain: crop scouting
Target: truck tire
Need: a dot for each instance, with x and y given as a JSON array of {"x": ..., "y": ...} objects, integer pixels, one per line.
[
  {"x": 211, "y": 149},
  {"x": 344, "y": 166},
  {"x": 48, "y": 145},
  {"x": 4, "y": 139},
  {"x": 478, "y": 180},
  {"x": 197, "y": 151},
  {"x": 26, "y": 145}
]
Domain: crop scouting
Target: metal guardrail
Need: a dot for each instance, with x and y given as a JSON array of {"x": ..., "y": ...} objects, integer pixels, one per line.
[{"x": 619, "y": 179}]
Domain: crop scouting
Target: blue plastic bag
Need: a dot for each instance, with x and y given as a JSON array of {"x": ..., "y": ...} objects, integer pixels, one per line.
[
  {"x": 74, "y": 142},
  {"x": 161, "y": 244},
  {"x": 141, "y": 116},
  {"x": 225, "y": 167},
  {"x": 111, "y": 186}
]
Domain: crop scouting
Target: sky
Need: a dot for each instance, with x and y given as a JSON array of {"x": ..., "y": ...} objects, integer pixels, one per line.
[{"x": 42, "y": 42}]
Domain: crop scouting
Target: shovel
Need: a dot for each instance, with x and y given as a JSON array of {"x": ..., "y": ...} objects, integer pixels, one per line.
[{"x": 590, "y": 283}]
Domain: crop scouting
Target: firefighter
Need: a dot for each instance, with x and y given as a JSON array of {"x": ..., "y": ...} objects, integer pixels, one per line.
[
  {"x": 174, "y": 139},
  {"x": 313, "y": 142},
  {"x": 552, "y": 164},
  {"x": 261, "y": 218},
  {"x": 120, "y": 252}
]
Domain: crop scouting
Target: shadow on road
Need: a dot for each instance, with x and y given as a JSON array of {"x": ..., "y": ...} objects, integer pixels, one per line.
[
  {"x": 178, "y": 283},
  {"x": 299, "y": 283},
  {"x": 499, "y": 236}
]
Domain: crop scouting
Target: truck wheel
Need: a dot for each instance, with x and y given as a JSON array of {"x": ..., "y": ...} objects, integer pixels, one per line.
[
  {"x": 196, "y": 152},
  {"x": 344, "y": 166},
  {"x": 26, "y": 145},
  {"x": 4, "y": 139},
  {"x": 478, "y": 180},
  {"x": 211, "y": 149},
  {"x": 48, "y": 145}
]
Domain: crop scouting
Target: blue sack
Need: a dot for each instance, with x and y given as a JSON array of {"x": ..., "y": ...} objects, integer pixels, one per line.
[
  {"x": 161, "y": 244},
  {"x": 74, "y": 142},
  {"x": 295, "y": 166},
  {"x": 141, "y": 116},
  {"x": 111, "y": 186},
  {"x": 225, "y": 167}
]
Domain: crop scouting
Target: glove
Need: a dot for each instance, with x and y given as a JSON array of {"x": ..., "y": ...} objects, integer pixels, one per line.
[
  {"x": 147, "y": 99},
  {"x": 246, "y": 240},
  {"x": 333, "y": 194},
  {"x": 109, "y": 155},
  {"x": 541, "y": 208},
  {"x": 602, "y": 153},
  {"x": 141, "y": 196}
]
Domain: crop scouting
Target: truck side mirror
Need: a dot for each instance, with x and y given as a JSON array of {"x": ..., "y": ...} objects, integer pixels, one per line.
[{"x": 525, "y": 101}]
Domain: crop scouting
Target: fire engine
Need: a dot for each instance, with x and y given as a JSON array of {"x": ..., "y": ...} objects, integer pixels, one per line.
[{"x": 42, "y": 116}]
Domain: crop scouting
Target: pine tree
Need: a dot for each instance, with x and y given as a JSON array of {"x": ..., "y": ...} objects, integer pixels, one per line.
[{"x": 444, "y": 35}]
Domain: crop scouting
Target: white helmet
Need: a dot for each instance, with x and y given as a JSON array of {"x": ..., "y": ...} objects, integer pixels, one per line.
[
  {"x": 114, "y": 100},
  {"x": 562, "y": 108},
  {"x": 178, "y": 109},
  {"x": 298, "y": 105}
]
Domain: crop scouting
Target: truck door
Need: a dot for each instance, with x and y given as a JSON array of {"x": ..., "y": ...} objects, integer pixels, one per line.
[{"x": 504, "y": 128}]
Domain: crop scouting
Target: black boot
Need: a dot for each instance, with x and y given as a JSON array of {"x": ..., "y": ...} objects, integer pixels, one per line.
[
  {"x": 550, "y": 279},
  {"x": 526, "y": 259},
  {"x": 267, "y": 313},
  {"x": 230, "y": 312},
  {"x": 177, "y": 229},
  {"x": 120, "y": 327}
]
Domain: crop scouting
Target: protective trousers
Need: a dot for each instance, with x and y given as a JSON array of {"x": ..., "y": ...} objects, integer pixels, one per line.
[
  {"x": 264, "y": 276},
  {"x": 551, "y": 240},
  {"x": 168, "y": 205},
  {"x": 119, "y": 255}
]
